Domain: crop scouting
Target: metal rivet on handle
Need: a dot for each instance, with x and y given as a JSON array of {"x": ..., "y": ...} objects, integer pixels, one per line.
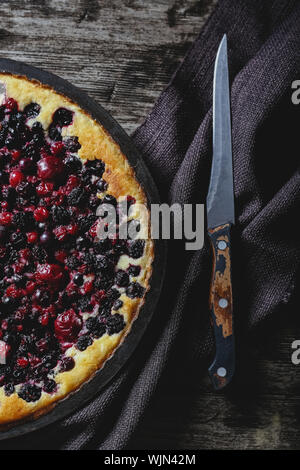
[
  {"x": 221, "y": 372},
  {"x": 223, "y": 303},
  {"x": 222, "y": 245}
]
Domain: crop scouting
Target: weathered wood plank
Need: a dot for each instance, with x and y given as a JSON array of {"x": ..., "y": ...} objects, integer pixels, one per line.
[{"x": 122, "y": 53}]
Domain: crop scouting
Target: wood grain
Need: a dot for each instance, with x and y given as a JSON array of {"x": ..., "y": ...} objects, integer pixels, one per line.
[{"x": 123, "y": 53}]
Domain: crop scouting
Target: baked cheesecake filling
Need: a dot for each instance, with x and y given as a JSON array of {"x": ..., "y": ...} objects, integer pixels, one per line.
[{"x": 60, "y": 286}]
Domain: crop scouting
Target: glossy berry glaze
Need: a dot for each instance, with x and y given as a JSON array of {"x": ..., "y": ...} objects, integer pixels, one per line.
[{"x": 59, "y": 285}]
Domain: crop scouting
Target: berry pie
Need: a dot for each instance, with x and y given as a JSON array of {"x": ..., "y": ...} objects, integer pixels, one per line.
[{"x": 68, "y": 297}]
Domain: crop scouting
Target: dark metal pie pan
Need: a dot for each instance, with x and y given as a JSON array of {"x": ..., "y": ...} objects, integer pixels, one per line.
[{"x": 103, "y": 376}]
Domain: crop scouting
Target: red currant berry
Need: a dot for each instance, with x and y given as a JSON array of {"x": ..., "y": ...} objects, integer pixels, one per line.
[
  {"x": 5, "y": 218},
  {"x": 16, "y": 177},
  {"x": 32, "y": 237},
  {"x": 15, "y": 155},
  {"x": 22, "y": 362},
  {"x": 41, "y": 214}
]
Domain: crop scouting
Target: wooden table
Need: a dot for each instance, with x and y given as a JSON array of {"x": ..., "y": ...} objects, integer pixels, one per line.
[{"x": 123, "y": 53}]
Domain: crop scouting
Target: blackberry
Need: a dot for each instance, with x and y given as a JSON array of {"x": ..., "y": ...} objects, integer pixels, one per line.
[
  {"x": 60, "y": 215},
  {"x": 84, "y": 304},
  {"x": 31, "y": 151},
  {"x": 85, "y": 222},
  {"x": 103, "y": 265},
  {"x": 66, "y": 300},
  {"x": 29, "y": 392},
  {"x": 9, "y": 389},
  {"x": 18, "y": 240},
  {"x": 103, "y": 283},
  {"x": 136, "y": 248},
  {"x": 72, "y": 144},
  {"x": 97, "y": 167},
  {"x": 32, "y": 110},
  {"x": 73, "y": 164},
  {"x": 91, "y": 323},
  {"x": 121, "y": 278},
  {"x": 120, "y": 247},
  {"x": 49, "y": 361},
  {"x": 2, "y": 112},
  {"x": 98, "y": 331},
  {"x": 117, "y": 304},
  {"x": 72, "y": 262},
  {"x": 62, "y": 117},
  {"x": 42, "y": 297},
  {"x": 3, "y": 232},
  {"x": 8, "y": 271},
  {"x": 134, "y": 270},
  {"x": 27, "y": 165},
  {"x": 23, "y": 220},
  {"x": 94, "y": 202},
  {"x": 115, "y": 323},
  {"x": 38, "y": 140},
  {"x": 135, "y": 290},
  {"x": 19, "y": 375},
  {"x": 113, "y": 294},
  {"x": 86, "y": 175},
  {"x": 3, "y": 177},
  {"x": 89, "y": 259},
  {"x": 84, "y": 342},
  {"x": 82, "y": 243},
  {"x": 39, "y": 253},
  {"x": 25, "y": 189},
  {"x": 103, "y": 245},
  {"x": 49, "y": 386},
  {"x": 77, "y": 197},
  {"x": 9, "y": 194},
  {"x": 20, "y": 281}
]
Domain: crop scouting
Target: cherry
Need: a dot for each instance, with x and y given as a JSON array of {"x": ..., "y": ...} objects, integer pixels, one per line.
[
  {"x": 44, "y": 319},
  {"x": 16, "y": 177},
  {"x": 72, "y": 229},
  {"x": 61, "y": 233},
  {"x": 50, "y": 167},
  {"x": 88, "y": 286},
  {"x": 32, "y": 237},
  {"x": 60, "y": 255},
  {"x": 15, "y": 155},
  {"x": 10, "y": 105},
  {"x": 67, "y": 325},
  {"x": 41, "y": 214},
  {"x": 5, "y": 218},
  {"x": 30, "y": 287},
  {"x": 49, "y": 273}
]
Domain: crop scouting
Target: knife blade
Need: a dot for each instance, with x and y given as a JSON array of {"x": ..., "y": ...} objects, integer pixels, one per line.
[{"x": 220, "y": 218}]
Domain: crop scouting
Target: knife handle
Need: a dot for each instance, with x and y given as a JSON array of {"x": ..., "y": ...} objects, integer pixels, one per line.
[{"x": 221, "y": 307}]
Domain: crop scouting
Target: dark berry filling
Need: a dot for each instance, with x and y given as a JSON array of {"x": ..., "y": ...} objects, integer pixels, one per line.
[{"x": 59, "y": 284}]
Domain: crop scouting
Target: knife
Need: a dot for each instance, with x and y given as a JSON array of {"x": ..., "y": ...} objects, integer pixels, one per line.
[{"x": 220, "y": 219}]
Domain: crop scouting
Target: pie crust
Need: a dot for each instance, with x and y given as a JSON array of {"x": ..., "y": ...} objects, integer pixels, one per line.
[{"x": 95, "y": 143}]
